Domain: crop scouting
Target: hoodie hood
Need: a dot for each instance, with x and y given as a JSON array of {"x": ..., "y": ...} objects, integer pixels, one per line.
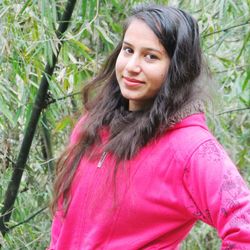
[{"x": 191, "y": 114}]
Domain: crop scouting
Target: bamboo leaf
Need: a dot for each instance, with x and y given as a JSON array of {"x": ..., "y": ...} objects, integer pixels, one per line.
[
  {"x": 17, "y": 114},
  {"x": 92, "y": 9},
  {"x": 84, "y": 9},
  {"x": 245, "y": 101},
  {"x": 82, "y": 48},
  {"x": 6, "y": 112},
  {"x": 103, "y": 34},
  {"x": 246, "y": 82},
  {"x": 49, "y": 52},
  {"x": 80, "y": 45},
  {"x": 246, "y": 40},
  {"x": 63, "y": 123},
  {"x": 224, "y": 60},
  {"x": 54, "y": 12},
  {"x": 27, "y": 3}
]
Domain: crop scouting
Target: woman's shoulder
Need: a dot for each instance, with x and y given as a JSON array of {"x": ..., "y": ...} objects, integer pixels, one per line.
[
  {"x": 190, "y": 129},
  {"x": 187, "y": 135}
]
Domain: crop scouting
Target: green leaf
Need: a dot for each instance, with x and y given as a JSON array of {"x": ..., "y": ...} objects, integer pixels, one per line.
[
  {"x": 63, "y": 123},
  {"x": 81, "y": 47},
  {"x": 18, "y": 113},
  {"x": 244, "y": 101},
  {"x": 92, "y": 9},
  {"x": 4, "y": 109},
  {"x": 28, "y": 2},
  {"x": 243, "y": 48},
  {"x": 49, "y": 52},
  {"x": 103, "y": 34},
  {"x": 224, "y": 60},
  {"x": 246, "y": 81},
  {"x": 84, "y": 9}
]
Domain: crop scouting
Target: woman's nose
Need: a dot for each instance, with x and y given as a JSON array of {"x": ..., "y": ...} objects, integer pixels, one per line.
[{"x": 133, "y": 64}]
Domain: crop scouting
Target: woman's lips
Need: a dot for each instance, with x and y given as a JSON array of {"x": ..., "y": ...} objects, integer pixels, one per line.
[{"x": 132, "y": 82}]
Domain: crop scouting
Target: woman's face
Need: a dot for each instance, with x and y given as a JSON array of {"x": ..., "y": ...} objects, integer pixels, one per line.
[{"x": 141, "y": 66}]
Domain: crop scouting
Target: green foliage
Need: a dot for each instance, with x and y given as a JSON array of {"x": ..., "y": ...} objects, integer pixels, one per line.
[{"x": 27, "y": 43}]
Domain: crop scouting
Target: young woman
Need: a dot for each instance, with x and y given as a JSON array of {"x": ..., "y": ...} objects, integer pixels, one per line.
[{"x": 142, "y": 167}]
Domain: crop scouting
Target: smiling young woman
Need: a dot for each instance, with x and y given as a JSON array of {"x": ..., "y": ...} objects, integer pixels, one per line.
[
  {"x": 141, "y": 166},
  {"x": 141, "y": 66}
]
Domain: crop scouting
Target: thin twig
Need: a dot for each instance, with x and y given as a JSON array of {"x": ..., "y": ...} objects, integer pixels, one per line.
[
  {"x": 8, "y": 158},
  {"x": 50, "y": 101},
  {"x": 226, "y": 29},
  {"x": 242, "y": 67},
  {"x": 28, "y": 219},
  {"x": 233, "y": 110},
  {"x": 77, "y": 93}
]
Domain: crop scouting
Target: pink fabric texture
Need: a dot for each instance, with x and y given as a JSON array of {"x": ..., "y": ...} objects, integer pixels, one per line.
[{"x": 177, "y": 179}]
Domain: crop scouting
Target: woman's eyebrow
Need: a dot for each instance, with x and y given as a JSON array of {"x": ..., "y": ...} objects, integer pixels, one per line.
[{"x": 144, "y": 48}]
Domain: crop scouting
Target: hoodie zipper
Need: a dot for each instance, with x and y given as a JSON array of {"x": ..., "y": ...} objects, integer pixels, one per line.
[{"x": 102, "y": 159}]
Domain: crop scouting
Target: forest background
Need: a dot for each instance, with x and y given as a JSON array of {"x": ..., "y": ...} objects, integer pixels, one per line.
[{"x": 29, "y": 42}]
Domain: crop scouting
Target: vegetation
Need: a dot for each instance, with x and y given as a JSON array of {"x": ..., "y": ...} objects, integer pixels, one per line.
[{"x": 28, "y": 43}]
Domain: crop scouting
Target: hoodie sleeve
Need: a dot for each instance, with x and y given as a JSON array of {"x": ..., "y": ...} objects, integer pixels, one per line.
[{"x": 218, "y": 195}]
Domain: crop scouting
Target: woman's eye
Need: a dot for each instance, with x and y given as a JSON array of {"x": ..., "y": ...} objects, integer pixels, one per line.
[
  {"x": 127, "y": 50},
  {"x": 151, "y": 57}
]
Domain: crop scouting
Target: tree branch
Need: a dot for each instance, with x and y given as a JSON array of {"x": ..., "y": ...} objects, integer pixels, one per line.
[
  {"x": 226, "y": 29},
  {"x": 28, "y": 219},
  {"x": 242, "y": 67},
  {"x": 50, "y": 101},
  {"x": 233, "y": 110}
]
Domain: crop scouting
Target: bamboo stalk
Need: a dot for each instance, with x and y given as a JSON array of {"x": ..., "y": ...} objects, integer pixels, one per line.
[{"x": 40, "y": 103}]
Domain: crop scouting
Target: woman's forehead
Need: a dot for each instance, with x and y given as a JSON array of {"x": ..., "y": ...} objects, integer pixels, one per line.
[{"x": 139, "y": 33}]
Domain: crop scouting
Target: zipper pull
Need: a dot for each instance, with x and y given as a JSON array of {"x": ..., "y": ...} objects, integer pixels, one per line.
[{"x": 102, "y": 159}]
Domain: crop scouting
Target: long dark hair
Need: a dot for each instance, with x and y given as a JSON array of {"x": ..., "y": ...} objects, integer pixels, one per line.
[{"x": 130, "y": 131}]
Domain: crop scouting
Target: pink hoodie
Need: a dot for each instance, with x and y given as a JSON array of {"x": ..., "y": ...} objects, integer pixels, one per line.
[{"x": 180, "y": 178}]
